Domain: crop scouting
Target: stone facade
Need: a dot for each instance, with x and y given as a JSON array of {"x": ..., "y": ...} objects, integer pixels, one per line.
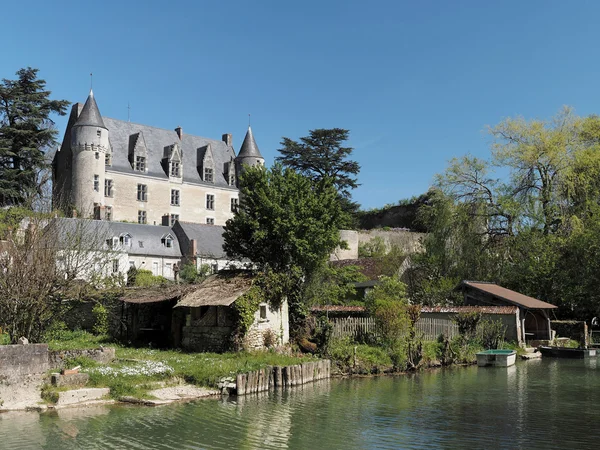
[
  {"x": 109, "y": 169},
  {"x": 20, "y": 360}
]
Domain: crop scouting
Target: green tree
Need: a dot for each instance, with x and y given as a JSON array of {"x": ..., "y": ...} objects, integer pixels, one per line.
[
  {"x": 285, "y": 224},
  {"x": 26, "y": 132},
  {"x": 284, "y": 220},
  {"x": 322, "y": 156}
]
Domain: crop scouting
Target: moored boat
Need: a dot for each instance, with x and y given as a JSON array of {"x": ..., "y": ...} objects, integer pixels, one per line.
[
  {"x": 565, "y": 352},
  {"x": 498, "y": 358}
]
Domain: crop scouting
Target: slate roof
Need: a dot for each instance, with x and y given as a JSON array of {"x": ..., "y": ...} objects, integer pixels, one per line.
[
  {"x": 209, "y": 239},
  {"x": 508, "y": 295},
  {"x": 249, "y": 147},
  {"x": 156, "y": 140},
  {"x": 145, "y": 239},
  {"x": 90, "y": 114}
]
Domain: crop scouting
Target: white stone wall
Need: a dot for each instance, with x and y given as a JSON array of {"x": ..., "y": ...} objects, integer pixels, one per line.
[
  {"x": 125, "y": 205},
  {"x": 351, "y": 239},
  {"x": 276, "y": 320},
  {"x": 158, "y": 265}
]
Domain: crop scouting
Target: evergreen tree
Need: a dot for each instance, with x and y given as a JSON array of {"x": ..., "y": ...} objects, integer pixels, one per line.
[
  {"x": 320, "y": 156},
  {"x": 26, "y": 131}
]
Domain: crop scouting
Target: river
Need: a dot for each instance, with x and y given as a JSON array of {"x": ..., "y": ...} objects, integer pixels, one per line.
[{"x": 535, "y": 404}]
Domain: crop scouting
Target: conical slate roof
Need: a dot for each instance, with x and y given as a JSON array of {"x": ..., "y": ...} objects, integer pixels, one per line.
[
  {"x": 90, "y": 114},
  {"x": 249, "y": 147}
]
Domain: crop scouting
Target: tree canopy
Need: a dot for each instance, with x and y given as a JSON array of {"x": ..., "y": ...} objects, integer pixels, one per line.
[
  {"x": 284, "y": 221},
  {"x": 322, "y": 156},
  {"x": 26, "y": 132},
  {"x": 526, "y": 218}
]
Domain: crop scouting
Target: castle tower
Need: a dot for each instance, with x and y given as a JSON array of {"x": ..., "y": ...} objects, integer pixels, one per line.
[
  {"x": 248, "y": 155},
  {"x": 89, "y": 145}
]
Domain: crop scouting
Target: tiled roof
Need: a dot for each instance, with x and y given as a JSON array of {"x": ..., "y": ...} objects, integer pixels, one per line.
[
  {"x": 508, "y": 295},
  {"x": 209, "y": 239},
  {"x": 249, "y": 147}
]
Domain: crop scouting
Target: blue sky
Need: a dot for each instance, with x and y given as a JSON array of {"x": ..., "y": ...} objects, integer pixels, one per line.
[{"x": 415, "y": 82}]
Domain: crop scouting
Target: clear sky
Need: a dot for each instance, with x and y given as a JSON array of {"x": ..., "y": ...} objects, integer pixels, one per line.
[{"x": 415, "y": 82}]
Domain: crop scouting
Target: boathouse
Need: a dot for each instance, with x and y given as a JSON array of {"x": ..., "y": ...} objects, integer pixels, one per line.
[{"x": 534, "y": 314}]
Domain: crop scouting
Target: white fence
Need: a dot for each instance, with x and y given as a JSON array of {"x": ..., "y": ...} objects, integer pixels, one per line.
[{"x": 355, "y": 327}]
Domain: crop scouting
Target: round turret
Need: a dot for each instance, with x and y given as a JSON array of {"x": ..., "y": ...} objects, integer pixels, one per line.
[
  {"x": 249, "y": 154},
  {"x": 89, "y": 145}
]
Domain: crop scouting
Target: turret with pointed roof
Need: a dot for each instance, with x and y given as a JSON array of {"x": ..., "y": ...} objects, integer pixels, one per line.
[
  {"x": 249, "y": 154},
  {"x": 90, "y": 114}
]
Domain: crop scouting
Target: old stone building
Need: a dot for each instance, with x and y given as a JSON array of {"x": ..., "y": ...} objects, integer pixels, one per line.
[{"x": 110, "y": 169}]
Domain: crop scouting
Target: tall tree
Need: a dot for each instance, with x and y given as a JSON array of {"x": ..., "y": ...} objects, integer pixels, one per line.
[
  {"x": 26, "y": 132},
  {"x": 321, "y": 155},
  {"x": 284, "y": 221}
]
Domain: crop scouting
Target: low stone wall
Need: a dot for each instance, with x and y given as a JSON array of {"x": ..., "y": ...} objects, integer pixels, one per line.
[
  {"x": 206, "y": 339},
  {"x": 276, "y": 377},
  {"x": 572, "y": 329},
  {"x": 20, "y": 360},
  {"x": 58, "y": 358}
]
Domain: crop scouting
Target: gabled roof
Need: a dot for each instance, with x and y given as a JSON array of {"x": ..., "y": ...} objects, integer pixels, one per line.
[
  {"x": 90, "y": 114},
  {"x": 508, "y": 295},
  {"x": 145, "y": 239},
  {"x": 218, "y": 290},
  {"x": 209, "y": 239},
  {"x": 155, "y": 141},
  {"x": 249, "y": 147}
]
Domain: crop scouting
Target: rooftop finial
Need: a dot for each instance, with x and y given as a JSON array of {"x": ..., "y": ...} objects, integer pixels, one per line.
[
  {"x": 248, "y": 120},
  {"x": 91, "y": 83}
]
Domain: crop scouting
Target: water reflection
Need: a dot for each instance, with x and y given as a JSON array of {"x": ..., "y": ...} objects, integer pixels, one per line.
[{"x": 538, "y": 404}]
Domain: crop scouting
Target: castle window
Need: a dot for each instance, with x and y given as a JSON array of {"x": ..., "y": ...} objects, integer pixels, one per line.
[
  {"x": 140, "y": 163},
  {"x": 234, "y": 205},
  {"x": 210, "y": 201},
  {"x": 173, "y": 218},
  {"x": 208, "y": 175},
  {"x": 108, "y": 213},
  {"x": 115, "y": 265},
  {"x": 125, "y": 240},
  {"x": 175, "y": 169},
  {"x": 108, "y": 188},
  {"x": 141, "y": 217},
  {"x": 174, "y": 197},
  {"x": 97, "y": 155},
  {"x": 210, "y": 221},
  {"x": 107, "y": 159},
  {"x": 97, "y": 183},
  {"x": 99, "y": 133},
  {"x": 142, "y": 193},
  {"x": 231, "y": 180}
]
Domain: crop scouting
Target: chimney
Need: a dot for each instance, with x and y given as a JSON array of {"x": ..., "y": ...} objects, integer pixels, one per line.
[
  {"x": 179, "y": 132},
  {"x": 194, "y": 250},
  {"x": 228, "y": 139}
]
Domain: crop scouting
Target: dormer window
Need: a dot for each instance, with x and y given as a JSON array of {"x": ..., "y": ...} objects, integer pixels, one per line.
[
  {"x": 167, "y": 240},
  {"x": 175, "y": 169},
  {"x": 99, "y": 133},
  {"x": 208, "y": 174},
  {"x": 125, "y": 240},
  {"x": 140, "y": 163}
]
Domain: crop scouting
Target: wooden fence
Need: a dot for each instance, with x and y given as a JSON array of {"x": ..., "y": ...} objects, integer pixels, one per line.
[{"x": 356, "y": 327}]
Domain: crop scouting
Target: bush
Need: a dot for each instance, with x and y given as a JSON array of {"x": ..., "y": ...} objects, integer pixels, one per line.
[
  {"x": 491, "y": 333},
  {"x": 144, "y": 278},
  {"x": 100, "y": 319},
  {"x": 190, "y": 274}
]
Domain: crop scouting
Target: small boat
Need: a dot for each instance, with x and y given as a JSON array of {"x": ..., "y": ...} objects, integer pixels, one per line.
[
  {"x": 565, "y": 352},
  {"x": 498, "y": 358}
]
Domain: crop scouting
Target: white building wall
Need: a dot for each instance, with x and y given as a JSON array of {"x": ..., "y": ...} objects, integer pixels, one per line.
[{"x": 276, "y": 320}]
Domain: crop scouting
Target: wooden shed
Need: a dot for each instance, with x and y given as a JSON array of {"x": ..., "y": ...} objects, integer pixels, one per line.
[{"x": 534, "y": 314}]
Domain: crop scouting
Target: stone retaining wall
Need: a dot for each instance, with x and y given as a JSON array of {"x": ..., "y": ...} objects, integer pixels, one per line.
[
  {"x": 103, "y": 355},
  {"x": 20, "y": 360},
  {"x": 276, "y": 377}
]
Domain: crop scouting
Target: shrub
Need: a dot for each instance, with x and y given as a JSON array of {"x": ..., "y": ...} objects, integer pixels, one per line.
[
  {"x": 467, "y": 323},
  {"x": 100, "y": 319},
  {"x": 144, "y": 278},
  {"x": 491, "y": 333},
  {"x": 387, "y": 304},
  {"x": 190, "y": 274}
]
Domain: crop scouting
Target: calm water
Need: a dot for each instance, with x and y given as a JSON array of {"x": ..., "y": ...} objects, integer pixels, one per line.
[{"x": 537, "y": 404}]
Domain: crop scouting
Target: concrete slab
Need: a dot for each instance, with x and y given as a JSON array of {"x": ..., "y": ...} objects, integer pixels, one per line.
[{"x": 75, "y": 396}]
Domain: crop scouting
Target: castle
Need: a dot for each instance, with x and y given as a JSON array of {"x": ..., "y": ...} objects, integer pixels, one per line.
[{"x": 113, "y": 170}]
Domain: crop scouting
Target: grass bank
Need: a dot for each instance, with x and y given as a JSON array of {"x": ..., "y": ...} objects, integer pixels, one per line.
[{"x": 138, "y": 370}]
